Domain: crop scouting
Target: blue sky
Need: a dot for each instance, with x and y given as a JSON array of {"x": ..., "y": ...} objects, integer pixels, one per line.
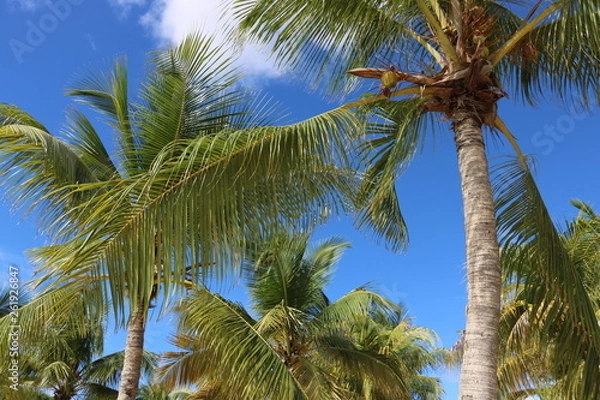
[{"x": 45, "y": 45}]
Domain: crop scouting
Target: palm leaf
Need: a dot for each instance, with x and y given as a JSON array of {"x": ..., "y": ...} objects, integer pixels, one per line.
[
  {"x": 392, "y": 139},
  {"x": 253, "y": 370},
  {"x": 327, "y": 38},
  {"x": 525, "y": 224}
]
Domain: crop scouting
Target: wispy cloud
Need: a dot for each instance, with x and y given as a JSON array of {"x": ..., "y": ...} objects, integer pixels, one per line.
[
  {"x": 171, "y": 20},
  {"x": 125, "y": 6},
  {"x": 26, "y": 5}
]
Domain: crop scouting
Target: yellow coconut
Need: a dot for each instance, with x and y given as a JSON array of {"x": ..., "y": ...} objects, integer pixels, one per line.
[{"x": 389, "y": 79}]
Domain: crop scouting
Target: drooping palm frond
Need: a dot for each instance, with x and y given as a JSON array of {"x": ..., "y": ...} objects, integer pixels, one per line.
[
  {"x": 393, "y": 136},
  {"x": 327, "y": 38},
  {"x": 191, "y": 179},
  {"x": 47, "y": 315},
  {"x": 529, "y": 361},
  {"x": 556, "y": 51},
  {"x": 36, "y": 168},
  {"x": 199, "y": 204},
  {"x": 555, "y": 290},
  {"x": 106, "y": 370}
]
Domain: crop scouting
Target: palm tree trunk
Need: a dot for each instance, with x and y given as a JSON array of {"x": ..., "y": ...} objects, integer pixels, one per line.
[
  {"x": 480, "y": 358},
  {"x": 134, "y": 351}
]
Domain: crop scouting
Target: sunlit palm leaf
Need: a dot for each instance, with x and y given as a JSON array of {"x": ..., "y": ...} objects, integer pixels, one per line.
[{"x": 524, "y": 224}]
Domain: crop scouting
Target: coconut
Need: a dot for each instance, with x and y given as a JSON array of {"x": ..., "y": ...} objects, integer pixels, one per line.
[{"x": 389, "y": 79}]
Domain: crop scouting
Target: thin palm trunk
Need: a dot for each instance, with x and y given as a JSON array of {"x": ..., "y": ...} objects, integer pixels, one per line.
[
  {"x": 478, "y": 375},
  {"x": 134, "y": 351}
]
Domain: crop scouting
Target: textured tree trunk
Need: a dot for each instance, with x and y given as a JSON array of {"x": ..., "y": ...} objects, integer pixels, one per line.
[
  {"x": 134, "y": 351},
  {"x": 478, "y": 379}
]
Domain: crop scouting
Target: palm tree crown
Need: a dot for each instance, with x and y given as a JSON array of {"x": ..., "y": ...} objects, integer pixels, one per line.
[
  {"x": 199, "y": 165},
  {"x": 454, "y": 58}
]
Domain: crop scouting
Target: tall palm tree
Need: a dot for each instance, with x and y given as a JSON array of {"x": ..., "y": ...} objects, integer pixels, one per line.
[
  {"x": 198, "y": 165},
  {"x": 360, "y": 346},
  {"x": 529, "y": 366},
  {"x": 454, "y": 59}
]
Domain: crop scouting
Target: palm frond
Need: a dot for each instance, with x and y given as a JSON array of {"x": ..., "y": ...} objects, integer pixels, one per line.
[
  {"x": 355, "y": 306},
  {"x": 327, "y": 38},
  {"x": 87, "y": 143},
  {"x": 109, "y": 96},
  {"x": 106, "y": 370},
  {"x": 287, "y": 272},
  {"x": 37, "y": 168},
  {"x": 200, "y": 204},
  {"x": 560, "y": 54},
  {"x": 386, "y": 374},
  {"x": 392, "y": 139},
  {"x": 555, "y": 288},
  {"x": 253, "y": 370}
]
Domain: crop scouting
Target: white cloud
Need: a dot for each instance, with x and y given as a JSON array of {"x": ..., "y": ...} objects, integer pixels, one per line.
[
  {"x": 125, "y": 6},
  {"x": 171, "y": 20},
  {"x": 27, "y": 5}
]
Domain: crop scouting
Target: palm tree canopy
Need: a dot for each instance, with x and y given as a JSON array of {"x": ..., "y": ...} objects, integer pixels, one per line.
[
  {"x": 312, "y": 348},
  {"x": 456, "y": 58},
  {"x": 539, "y": 49},
  {"x": 196, "y": 169}
]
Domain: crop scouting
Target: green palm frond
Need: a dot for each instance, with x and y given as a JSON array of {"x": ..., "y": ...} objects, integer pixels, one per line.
[
  {"x": 327, "y": 38},
  {"x": 288, "y": 272},
  {"x": 187, "y": 366},
  {"x": 529, "y": 359},
  {"x": 182, "y": 196},
  {"x": 54, "y": 311},
  {"x": 36, "y": 169},
  {"x": 385, "y": 373},
  {"x": 392, "y": 138},
  {"x": 254, "y": 369},
  {"x": 106, "y": 370},
  {"x": 87, "y": 143},
  {"x": 354, "y": 306},
  {"x": 13, "y": 115},
  {"x": 109, "y": 96},
  {"x": 357, "y": 346},
  {"x": 200, "y": 201},
  {"x": 527, "y": 230}
]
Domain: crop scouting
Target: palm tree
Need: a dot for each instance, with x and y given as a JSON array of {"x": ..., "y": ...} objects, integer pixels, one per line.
[
  {"x": 529, "y": 366},
  {"x": 414, "y": 347},
  {"x": 198, "y": 165},
  {"x": 454, "y": 59},
  {"x": 25, "y": 391},
  {"x": 360, "y": 346},
  {"x": 65, "y": 359}
]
